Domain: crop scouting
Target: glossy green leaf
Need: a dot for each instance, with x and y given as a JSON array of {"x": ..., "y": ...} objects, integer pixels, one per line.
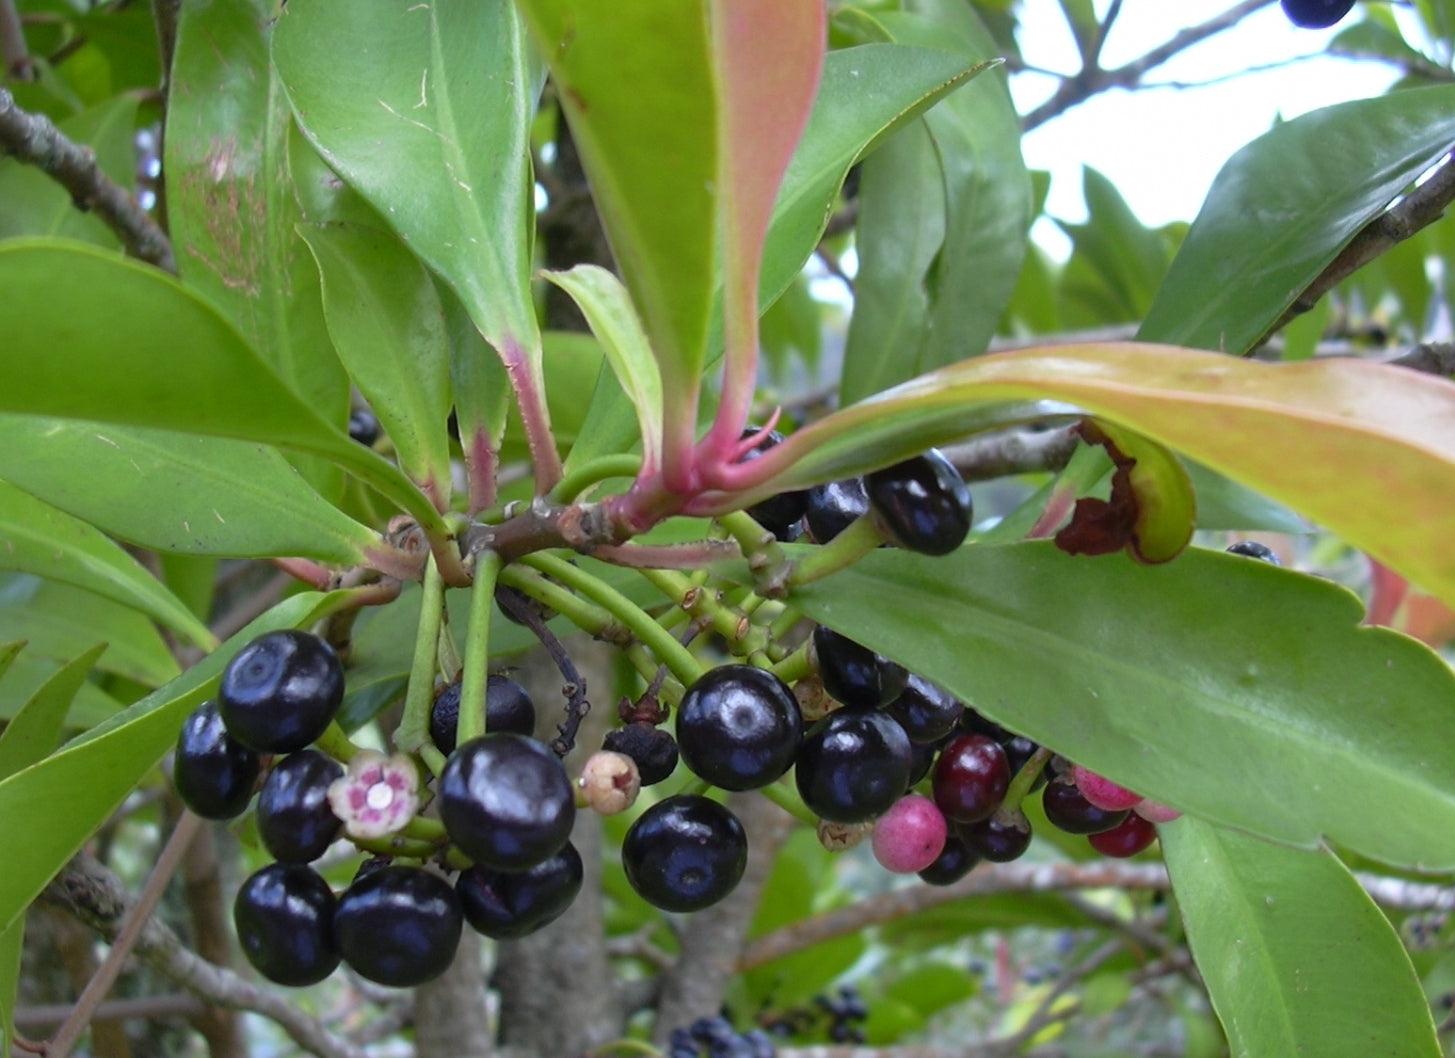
[
  {"x": 178, "y": 492},
  {"x": 1296, "y": 957},
  {"x": 144, "y": 350},
  {"x": 60, "y": 622},
  {"x": 1117, "y": 263},
  {"x": 610, "y": 425},
  {"x": 866, "y": 94},
  {"x": 8, "y": 653},
  {"x": 1355, "y": 440},
  {"x": 37, "y": 538},
  {"x": 1284, "y": 206},
  {"x": 389, "y": 329},
  {"x": 28, "y": 675},
  {"x": 33, "y": 732},
  {"x": 608, "y": 309},
  {"x": 635, "y": 79},
  {"x": 92, "y": 774},
  {"x": 230, "y": 203},
  {"x": 35, "y": 204},
  {"x": 1228, "y": 688},
  {"x": 428, "y": 120},
  {"x": 1224, "y": 504}
]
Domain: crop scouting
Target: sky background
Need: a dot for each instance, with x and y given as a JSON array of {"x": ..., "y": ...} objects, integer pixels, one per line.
[{"x": 1163, "y": 146}]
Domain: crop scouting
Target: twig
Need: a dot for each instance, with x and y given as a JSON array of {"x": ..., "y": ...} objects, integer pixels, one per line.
[
  {"x": 577, "y": 706},
  {"x": 91, "y": 892},
  {"x": 14, "y": 53},
  {"x": 1050, "y": 1010},
  {"x": 144, "y": 1008},
  {"x": 1017, "y": 451},
  {"x": 1418, "y": 210},
  {"x": 36, "y": 141},
  {"x": 1093, "y": 79}
]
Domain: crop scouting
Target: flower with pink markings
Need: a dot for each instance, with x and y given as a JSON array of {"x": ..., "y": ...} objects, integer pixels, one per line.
[{"x": 377, "y": 796}]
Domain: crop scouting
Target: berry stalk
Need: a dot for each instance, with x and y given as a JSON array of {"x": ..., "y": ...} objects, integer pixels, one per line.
[
  {"x": 473, "y": 674},
  {"x": 413, "y": 733}
]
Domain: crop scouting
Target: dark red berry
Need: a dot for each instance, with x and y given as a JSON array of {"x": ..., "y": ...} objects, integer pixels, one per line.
[
  {"x": 971, "y": 778},
  {"x": 832, "y": 508},
  {"x": 399, "y": 926},
  {"x": 1316, "y": 14},
  {"x": 778, "y": 514},
  {"x": 1003, "y": 837},
  {"x": 854, "y": 674},
  {"x": 507, "y": 708},
  {"x": 853, "y": 765},
  {"x": 738, "y": 727},
  {"x": 956, "y": 860},
  {"x": 506, "y": 802},
  {"x": 284, "y": 916},
  {"x": 213, "y": 772},
  {"x": 281, "y": 691},
  {"x": 653, "y": 749},
  {"x": 922, "y": 503},
  {"x": 509, "y": 904},
  {"x": 1127, "y": 838},
  {"x": 295, "y": 820},
  {"x": 925, "y": 710},
  {"x": 684, "y": 853},
  {"x": 1253, "y": 549},
  {"x": 1069, "y": 810}
]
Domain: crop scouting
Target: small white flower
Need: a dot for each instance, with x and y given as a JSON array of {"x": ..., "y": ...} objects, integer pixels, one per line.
[{"x": 377, "y": 796}]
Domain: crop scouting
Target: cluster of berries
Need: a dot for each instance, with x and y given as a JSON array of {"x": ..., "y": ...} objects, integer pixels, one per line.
[
  {"x": 716, "y": 1038},
  {"x": 504, "y": 801}
]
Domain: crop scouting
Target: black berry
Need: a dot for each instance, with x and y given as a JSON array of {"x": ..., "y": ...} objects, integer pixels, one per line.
[
  {"x": 1253, "y": 549},
  {"x": 1018, "y": 753},
  {"x": 922, "y": 503},
  {"x": 684, "y": 853},
  {"x": 956, "y": 860},
  {"x": 294, "y": 818},
  {"x": 1316, "y": 14},
  {"x": 506, "y": 802},
  {"x": 925, "y": 710},
  {"x": 853, "y": 765},
  {"x": 1068, "y": 809},
  {"x": 832, "y": 508},
  {"x": 653, "y": 749},
  {"x": 854, "y": 674},
  {"x": 364, "y": 427},
  {"x": 213, "y": 772},
  {"x": 1001, "y": 838},
  {"x": 971, "y": 778},
  {"x": 398, "y": 926},
  {"x": 778, "y": 514},
  {"x": 507, "y": 708},
  {"x": 738, "y": 727},
  {"x": 509, "y": 904},
  {"x": 284, "y": 916},
  {"x": 281, "y": 691}
]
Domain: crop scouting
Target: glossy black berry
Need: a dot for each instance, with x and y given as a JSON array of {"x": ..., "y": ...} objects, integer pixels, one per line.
[
  {"x": 1000, "y": 839},
  {"x": 653, "y": 749},
  {"x": 506, "y": 802},
  {"x": 832, "y": 508},
  {"x": 1018, "y": 753},
  {"x": 281, "y": 691},
  {"x": 925, "y": 710},
  {"x": 295, "y": 820},
  {"x": 509, "y": 904},
  {"x": 284, "y": 916},
  {"x": 1316, "y": 14},
  {"x": 507, "y": 708},
  {"x": 922, "y": 503},
  {"x": 853, "y": 765},
  {"x": 971, "y": 778},
  {"x": 738, "y": 727},
  {"x": 398, "y": 926},
  {"x": 955, "y": 860},
  {"x": 364, "y": 427},
  {"x": 1067, "y": 809},
  {"x": 1253, "y": 549},
  {"x": 922, "y": 758},
  {"x": 213, "y": 772},
  {"x": 684, "y": 853},
  {"x": 853, "y": 674},
  {"x": 778, "y": 514}
]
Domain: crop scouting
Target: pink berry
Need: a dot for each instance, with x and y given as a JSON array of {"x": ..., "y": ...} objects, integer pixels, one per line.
[
  {"x": 910, "y": 836},
  {"x": 1102, "y": 792},
  {"x": 1155, "y": 812}
]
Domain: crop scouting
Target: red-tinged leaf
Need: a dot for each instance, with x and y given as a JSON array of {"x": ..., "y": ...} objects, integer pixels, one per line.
[{"x": 1365, "y": 449}]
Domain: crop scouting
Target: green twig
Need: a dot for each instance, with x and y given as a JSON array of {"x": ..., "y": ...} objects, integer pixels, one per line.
[
  {"x": 862, "y": 536},
  {"x": 474, "y": 676},
  {"x": 581, "y": 478},
  {"x": 414, "y": 726}
]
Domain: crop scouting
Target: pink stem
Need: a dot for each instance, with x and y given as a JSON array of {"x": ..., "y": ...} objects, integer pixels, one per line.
[{"x": 530, "y": 398}]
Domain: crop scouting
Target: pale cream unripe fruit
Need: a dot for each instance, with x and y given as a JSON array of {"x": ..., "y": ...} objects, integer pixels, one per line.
[{"x": 609, "y": 782}]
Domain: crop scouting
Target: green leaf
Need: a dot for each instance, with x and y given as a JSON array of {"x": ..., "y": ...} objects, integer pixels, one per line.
[
  {"x": 143, "y": 350},
  {"x": 1243, "y": 693},
  {"x": 608, "y": 309},
  {"x": 230, "y": 202},
  {"x": 429, "y": 121},
  {"x": 38, "y": 538},
  {"x": 1224, "y": 504},
  {"x": 178, "y": 492},
  {"x": 92, "y": 774},
  {"x": 60, "y": 622},
  {"x": 636, "y": 80},
  {"x": 1355, "y": 440},
  {"x": 1284, "y": 206},
  {"x": 28, "y": 675},
  {"x": 1296, "y": 957},
  {"x": 388, "y": 327},
  {"x": 1117, "y": 263},
  {"x": 34, "y": 730},
  {"x": 36, "y": 205}
]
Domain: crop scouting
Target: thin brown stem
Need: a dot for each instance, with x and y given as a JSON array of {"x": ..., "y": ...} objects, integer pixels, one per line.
[{"x": 14, "y": 52}]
